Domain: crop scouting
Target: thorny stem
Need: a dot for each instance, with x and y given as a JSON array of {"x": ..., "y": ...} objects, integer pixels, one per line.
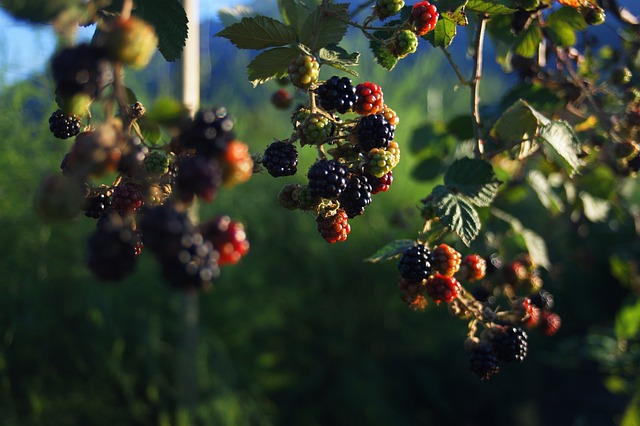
[{"x": 475, "y": 85}]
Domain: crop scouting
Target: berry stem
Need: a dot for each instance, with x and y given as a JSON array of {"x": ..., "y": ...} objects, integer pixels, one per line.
[
  {"x": 475, "y": 84},
  {"x": 455, "y": 67}
]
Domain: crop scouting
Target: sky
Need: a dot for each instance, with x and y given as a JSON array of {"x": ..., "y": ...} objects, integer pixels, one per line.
[{"x": 25, "y": 48}]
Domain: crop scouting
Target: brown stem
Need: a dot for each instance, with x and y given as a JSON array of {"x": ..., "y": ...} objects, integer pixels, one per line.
[
  {"x": 455, "y": 67},
  {"x": 475, "y": 85},
  {"x": 127, "y": 6}
]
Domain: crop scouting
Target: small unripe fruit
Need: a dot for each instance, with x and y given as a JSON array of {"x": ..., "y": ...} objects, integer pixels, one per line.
[{"x": 131, "y": 41}]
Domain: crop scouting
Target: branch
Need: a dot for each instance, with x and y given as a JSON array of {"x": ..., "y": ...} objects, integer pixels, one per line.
[{"x": 475, "y": 85}]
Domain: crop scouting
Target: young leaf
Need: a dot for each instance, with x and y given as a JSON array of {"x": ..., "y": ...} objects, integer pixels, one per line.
[
  {"x": 474, "y": 179},
  {"x": 270, "y": 64},
  {"x": 167, "y": 111},
  {"x": 492, "y": 7},
  {"x": 258, "y": 32},
  {"x": 391, "y": 251},
  {"x": 457, "y": 214},
  {"x": 560, "y": 136},
  {"x": 443, "y": 33},
  {"x": 322, "y": 27},
  {"x": 170, "y": 22}
]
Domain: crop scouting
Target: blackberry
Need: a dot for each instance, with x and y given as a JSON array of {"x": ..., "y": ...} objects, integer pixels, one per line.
[
  {"x": 443, "y": 289},
  {"x": 97, "y": 206},
  {"x": 482, "y": 294},
  {"x": 237, "y": 164},
  {"x": 281, "y": 159},
  {"x": 194, "y": 266},
  {"x": 509, "y": 343},
  {"x": 483, "y": 362},
  {"x": 356, "y": 196},
  {"x": 228, "y": 239},
  {"x": 337, "y": 94},
  {"x": 370, "y": 99},
  {"x": 315, "y": 128},
  {"x": 445, "y": 260},
  {"x": 415, "y": 263},
  {"x": 327, "y": 178},
  {"x": 126, "y": 199},
  {"x": 112, "y": 248},
  {"x": 543, "y": 300},
  {"x": 423, "y": 18},
  {"x": 390, "y": 115},
  {"x": 304, "y": 71},
  {"x": 334, "y": 228},
  {"x": 198, "y": 176},
  {"x": 281, "y": 99},
  {"x": 550, "y": 323},
  {"x": 381, "y": 161},
  {"x": 374, "y": 131},
  {"x": 473, "y": 268},
  {"x": 81, "y": 69},
  {"x": 380, "y": 184},
  {"x": 163, "y": 229},
  {"x": 64, "y": 126},
  {"x": 209, "y": 133}
]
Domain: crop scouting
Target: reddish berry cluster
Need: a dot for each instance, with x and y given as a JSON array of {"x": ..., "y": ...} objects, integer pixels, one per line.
[{"x": 423, "y": 18}]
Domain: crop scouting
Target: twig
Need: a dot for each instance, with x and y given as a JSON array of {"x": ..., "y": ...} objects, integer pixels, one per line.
[
  {"x": 475, "y": 85},
  {"x": 455, "y": 67}
]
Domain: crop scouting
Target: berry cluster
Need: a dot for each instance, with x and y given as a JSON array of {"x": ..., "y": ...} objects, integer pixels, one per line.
[
  {"x": 152, "y": 187},
  {"x": 356, "y": 153},
  {"x": 438, "y": 274}
]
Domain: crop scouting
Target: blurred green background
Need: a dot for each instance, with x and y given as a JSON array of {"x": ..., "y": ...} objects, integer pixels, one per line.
[{"x": 300, "y": 332}]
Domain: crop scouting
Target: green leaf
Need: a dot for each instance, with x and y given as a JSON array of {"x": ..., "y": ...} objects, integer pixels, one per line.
[
  {"x": 432, "y": 139},
  {"x": 37, "y": 11},
  {"x": 170, "y": 22},
  {"x": 443, "y": 33},
  {"x": 595, "y": 209},
  {"x": 322, "y": 27},
  {"x": 628, "y": 322},
  {"x": 544, "y": 191},
  {"x": 474, "y": 179},
  {"x": 517, "y": 127},
  {"x": 270, "y": 64},
  {"x": 167, "y": 111},
  {"x": 294, "y": 12},
  {"x": 233, "y": 15},
  {"x": 457, "y": 214},
  {"x": 450, "y": 5},
  {"x": 559, "y": 135},
  {"x": 528, "y": 41},
  {"x": 428, "y": 169},
  {"x": 391, "y": 251},
  {"x": 383, "y": 56},
  {"x": 258, "y": 32},
  {"x": 461, "y": 127},
  {"x": 561, "y": 26},
  {"x": 337, "y": 57},
  {"x": 625, "y": 271},
  {"x": 631, "y": 416},
  {"x": 150, "y": 130},
  {"x": 536, "y": 246},
  {"x": 492, "y": 7}
]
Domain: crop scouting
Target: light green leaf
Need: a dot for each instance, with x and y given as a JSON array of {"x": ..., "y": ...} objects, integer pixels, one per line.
[
  {"x": 322, "y": 27},
  {"x": 339, "y": 58},
  {"x": 233, "y": 15},
  {"x": 443, "y": 33},
  {"x": 562, "y": 25},
  {"x": 528, "y": 41},
  {"x": 258, "y": 32},
  {"x": 270, "y": 64},
  {"x": 560, "y": 136},
  {"x": 595, "y": 209},
  {"x": 544, "y": 191},
  {"x": 627, "y": 324},
  {"x": 492, "y": 7},
  {"x": 457, "y": 214},
  {"x": 631, "y": 416},
  {"x": 391, "y": 251},
  {"x": 474, "y": 179},
  {"x": 167, "y": 111}
]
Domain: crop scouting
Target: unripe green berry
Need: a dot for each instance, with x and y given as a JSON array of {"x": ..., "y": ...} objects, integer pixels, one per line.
[
  {"x": 304, "y": 71},
  {"x": 593, "y": 16},
  {"x": 156, "y": 163},
  {"x": 387, "y": 8},
  {"x": 621, "y": 76},
  {"x": 404, "y": 43},
  {"x": 316, "y": 128}
]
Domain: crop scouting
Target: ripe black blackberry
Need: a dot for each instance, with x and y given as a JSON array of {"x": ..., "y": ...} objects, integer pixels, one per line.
[
  {"x": 415, "y": 264},
  {"x": 126, "y": 199},
  {"x": 198, "y": 176},
  {"x": 374, "y": 131},
  {"x": 483, "y": 362},
  {"x": 209, "y": 133},
  {"x": 281, "y": 159},
  {"x": 543, "y": 300},
  {"x": 356, "y": 196},
  {"x": 509, "y": 343},
  {"x": 64, "y": 126},
  {"x": 194, "y": 266},
  {"x": 337, "y": 94},
  {"x": 163, "y": 229},
  {"x": 112, "y": 248},
  {"x": 96, "y": 206},
  {"x": 327, "y": 178},
  {"x": 81, "y": 69}
]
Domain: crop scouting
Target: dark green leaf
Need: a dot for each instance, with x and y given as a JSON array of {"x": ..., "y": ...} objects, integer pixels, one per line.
[
  {"x": 171, "y": 23},
  {"x": 38, "y": 11},
  {"x": 457, "y": 214},
  {"x": 322, "y": 27},
  {"x": 391, "y": 251},
  {"x": 536, "y": 246},
  {"x": 443, "y": 33},
  {"x": 428, "y": 169},
  {"x": 562, "y": 25},
  {"x": 432, "y": 139},
  {"x": 461, "y": 127},
  {"x": 295, "y": 12},
  {"x": 528, "y": 42},
  {"x": 383, "y": 56},
  {"x": 258, "y": 32},
  {"x": 270, "y": 64},
  {"x": 559, "y": 135},
  {"x": 492, "y": 7},
  {"x": 450, "y": 5},
  {"x": 474, "y": 179},
  {"x": 150, "y": 130}
]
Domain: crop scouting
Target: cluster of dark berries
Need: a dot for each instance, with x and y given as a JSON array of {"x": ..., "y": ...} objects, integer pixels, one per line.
[
  {"x": 499, "y": 343},
  {"x": 361, "y": 149}
]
